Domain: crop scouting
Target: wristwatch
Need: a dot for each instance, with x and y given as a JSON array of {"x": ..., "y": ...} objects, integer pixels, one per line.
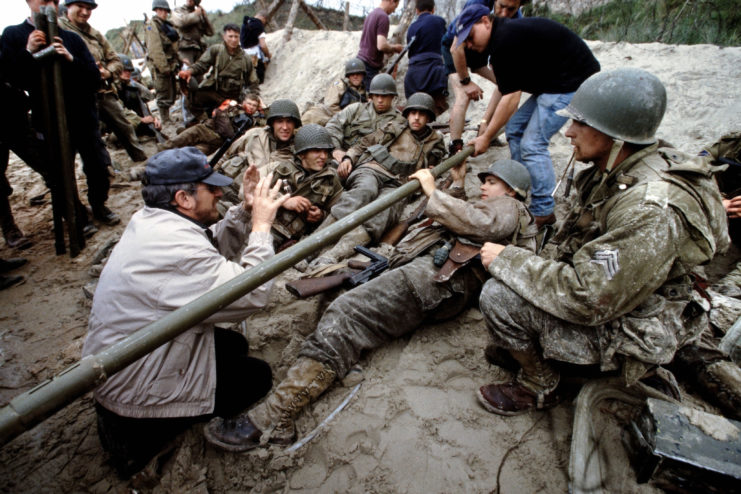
[{"x": 466, "y": 81}]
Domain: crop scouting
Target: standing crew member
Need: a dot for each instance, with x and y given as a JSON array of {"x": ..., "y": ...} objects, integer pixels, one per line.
[
  {"x": 374, "y": 40},
  {"x": 557, "y": 62},
  {"x": 426, "y": 72},
  {"x": 162, "y": 57}
]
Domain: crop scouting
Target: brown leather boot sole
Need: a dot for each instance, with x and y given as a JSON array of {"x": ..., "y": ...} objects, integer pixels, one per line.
[{"x": 513, "y": 399}]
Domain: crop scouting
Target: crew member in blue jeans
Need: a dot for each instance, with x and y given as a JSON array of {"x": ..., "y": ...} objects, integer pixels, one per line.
[{"x": 540, "y": 57}]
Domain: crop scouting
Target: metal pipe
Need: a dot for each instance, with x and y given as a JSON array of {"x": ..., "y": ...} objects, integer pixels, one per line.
[{"x": 29, "y": 408}]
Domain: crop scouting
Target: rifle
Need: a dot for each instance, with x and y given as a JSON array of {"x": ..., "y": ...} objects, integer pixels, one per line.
[
  {"x": 246, "y": 123},
  {"x": 391, "y": 67},
  {"x": 147, "y": 113},
  {"x": 358, "y": 274}
]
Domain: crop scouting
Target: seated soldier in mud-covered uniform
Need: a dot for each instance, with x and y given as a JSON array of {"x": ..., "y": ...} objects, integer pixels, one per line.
[
  {"x": 360, "y": 119},
  {"x": 399, "y": 301},
  {"x": 620, "y": 292},
  {"x": 381, "y": 162},
  {"x": 341, "y": 93},
  {"x": 263, "y": 147},
  {"x": 313, "y": 184}
]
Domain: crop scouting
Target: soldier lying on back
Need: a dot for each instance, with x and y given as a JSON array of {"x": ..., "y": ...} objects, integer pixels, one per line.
[
  {"x": 222, "y": 125},
  {"x": 399, "y": 301},
  {"x": 380, "y": 162},
  {"x": 314, "y": 186},
  {"x": 341, "y": 93}
]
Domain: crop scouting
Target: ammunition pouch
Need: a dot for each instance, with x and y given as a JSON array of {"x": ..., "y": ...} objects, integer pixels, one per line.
[{"x": 381, "y": 155}]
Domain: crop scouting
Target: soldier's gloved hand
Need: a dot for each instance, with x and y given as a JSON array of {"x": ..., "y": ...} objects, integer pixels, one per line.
[
  {"x": 266, "y": 201},
  {"x": 298, "y": 204},
  {"x": 489, "y": 252},
  {"x": 36, "y": 40},
  {"x": 426, "y": 180}
]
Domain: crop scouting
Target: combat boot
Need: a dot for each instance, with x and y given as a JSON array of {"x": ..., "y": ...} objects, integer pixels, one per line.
[
  {"x": 164, "y": 114},
  {"x": 14, "y": 237},
  {"x": 305, "y": 381},
  {"x": 344, "y": 248},
  {"x": 534, "y": 388}
]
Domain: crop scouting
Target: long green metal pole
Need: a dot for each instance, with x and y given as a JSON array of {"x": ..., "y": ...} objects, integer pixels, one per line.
[{"x": 29, "y": 408}]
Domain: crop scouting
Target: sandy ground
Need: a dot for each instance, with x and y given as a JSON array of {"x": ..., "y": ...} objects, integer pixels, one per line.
[{"x": 414, "y": 424}]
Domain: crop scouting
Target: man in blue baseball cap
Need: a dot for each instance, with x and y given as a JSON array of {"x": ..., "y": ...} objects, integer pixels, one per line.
[
  {"x": 540, "y": 57},
  {"x": 172, "y": 252}
]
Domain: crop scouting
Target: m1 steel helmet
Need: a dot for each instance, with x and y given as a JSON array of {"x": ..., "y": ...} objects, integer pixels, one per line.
[
  {"x": 383, "y": 84},
  {"x": 626, "y": 104},
  {"x": 512, "y": 173},
  {"x": 284, "y": 108},
  {"x": 354, "y": 66},
  {"x": 421, "y": 101},
  {"x": 312, "y": 136}
]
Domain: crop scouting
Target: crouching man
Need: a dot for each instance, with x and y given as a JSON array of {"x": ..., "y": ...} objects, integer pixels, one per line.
[
  {"x": 620, "y": 292},
  {"x": 172, "y": 252},
  {"x": 399, "y": 301}
]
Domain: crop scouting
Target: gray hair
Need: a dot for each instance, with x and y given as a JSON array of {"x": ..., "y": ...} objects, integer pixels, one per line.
[{"x": 163, "y": 195}]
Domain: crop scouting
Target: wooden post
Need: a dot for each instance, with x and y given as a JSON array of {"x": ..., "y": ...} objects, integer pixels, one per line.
[
  {"x": 346, "y": 20},
  {"x": 273, "y": 8},
  {"x": 265, "y": 8},
  {"x": 291, "y": 20},
  {"x": 312, "y": 15},
  {"x": 406, "y": 18}
]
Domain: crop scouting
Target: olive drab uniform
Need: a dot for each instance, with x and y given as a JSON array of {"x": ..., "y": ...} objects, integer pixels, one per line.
[
  {"x": 356, "y": 121},
  {"x": 192, "y": 28},
  {"x": 403, "y": 298},
  {"x": 257, "y": 146},
  {"x": 229, "y": 76},
  {"x": 163, "y": 62},
  {"x": 209, "y": 135},
  {"x": 110, "y": 109},
  {"x": 382, "y": 161},
  {"x": 322, "y": 188},
  {"x": 339, "y": 95},
  {"x": 620, "y": 291}
]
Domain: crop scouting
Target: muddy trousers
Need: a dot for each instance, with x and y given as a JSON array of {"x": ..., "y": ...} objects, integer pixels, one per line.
[
  {"x": 240, "y": 382},
  {"x": 517, "y": 325},
  {"x": 386, "y": 308},
  {"x": 200, "y": 136},
  {"x": 112, "y": 114},
  {"x": 365, "y": 185}
]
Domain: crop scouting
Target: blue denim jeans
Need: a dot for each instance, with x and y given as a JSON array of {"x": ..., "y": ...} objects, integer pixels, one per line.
[{"x": 528, "y": 133}]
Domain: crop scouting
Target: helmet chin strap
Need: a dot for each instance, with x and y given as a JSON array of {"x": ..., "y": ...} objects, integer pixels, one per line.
[{"x": 617, "y": 146}]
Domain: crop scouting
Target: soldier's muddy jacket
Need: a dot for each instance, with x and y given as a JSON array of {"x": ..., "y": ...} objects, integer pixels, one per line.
[
  {"x": 192, "y": 27},
  {"x": 401, "y": 299},
  {"x": 99, "y": 48},
  {"x": 322, "y": 188},
  {"x": 162, "y": 46},
  {"x": 356, "y": 121},
  {"x": 258, "y": 147},
  {"x": 396, "y": 151},
  {"x": 625, "y": 254},
  {"x": 230, "y": 73}
]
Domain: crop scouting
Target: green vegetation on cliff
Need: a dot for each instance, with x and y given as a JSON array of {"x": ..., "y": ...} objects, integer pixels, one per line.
[{"x": 666, "y": 21}]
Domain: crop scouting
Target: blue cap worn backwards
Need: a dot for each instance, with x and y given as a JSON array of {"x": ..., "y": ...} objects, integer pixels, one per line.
[
  {"x": 470, "y": 16},
  {"x": 182, "y": 166}
]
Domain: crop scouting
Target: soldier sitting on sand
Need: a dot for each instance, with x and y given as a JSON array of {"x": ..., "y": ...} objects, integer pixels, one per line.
[
  {"x": 313, "y": 184},
  {"x": 360, "y": 119},
  {"x": 342, "y": 92}
]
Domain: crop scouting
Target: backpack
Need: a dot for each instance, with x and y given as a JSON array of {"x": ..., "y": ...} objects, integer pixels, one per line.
[{"x": 252, "y": 28}]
